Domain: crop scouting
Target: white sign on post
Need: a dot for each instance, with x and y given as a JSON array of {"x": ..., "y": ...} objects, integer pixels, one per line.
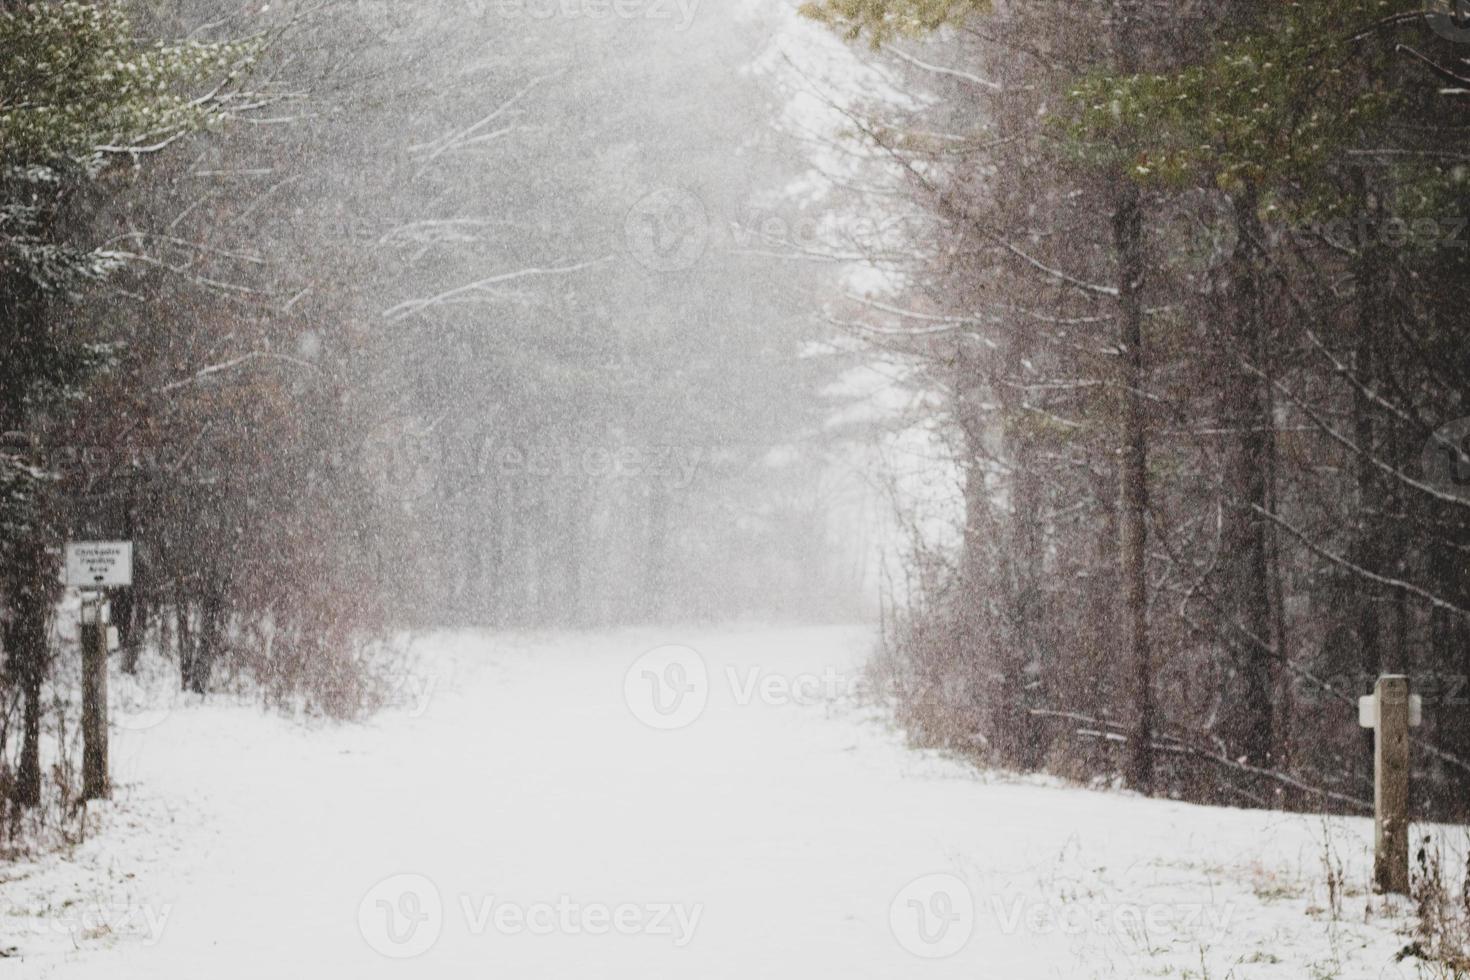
[
  {"x": 99, "y": 564},
  {"x": 1368, "y": 711}
]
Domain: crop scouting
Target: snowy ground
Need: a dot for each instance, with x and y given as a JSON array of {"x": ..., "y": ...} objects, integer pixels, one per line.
[{"x": 555, "y": 806}]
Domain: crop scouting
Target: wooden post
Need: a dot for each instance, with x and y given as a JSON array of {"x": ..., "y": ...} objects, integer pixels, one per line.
[
  {"x": 95, "y": 782},
  {"x": 1391, "y": 785},
  {"x": 93, "y": 566}
]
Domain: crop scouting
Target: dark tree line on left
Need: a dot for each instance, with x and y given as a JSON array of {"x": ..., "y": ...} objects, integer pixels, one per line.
[{"x": 81, "y": 102}]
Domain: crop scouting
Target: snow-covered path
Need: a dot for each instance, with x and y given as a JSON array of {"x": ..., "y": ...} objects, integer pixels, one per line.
[{"x": 522, "y": 821}]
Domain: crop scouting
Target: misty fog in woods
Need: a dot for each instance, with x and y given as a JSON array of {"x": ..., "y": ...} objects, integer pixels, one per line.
[{"x": 1104, "y": 363}]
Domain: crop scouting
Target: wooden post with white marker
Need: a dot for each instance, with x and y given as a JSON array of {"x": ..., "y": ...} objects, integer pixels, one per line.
[
  {"x": 92, "y": 566},
  {"x": 1390, "y": 711}
]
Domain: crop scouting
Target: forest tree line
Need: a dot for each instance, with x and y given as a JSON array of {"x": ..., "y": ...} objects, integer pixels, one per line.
[{"x": 1190, "y": 307}]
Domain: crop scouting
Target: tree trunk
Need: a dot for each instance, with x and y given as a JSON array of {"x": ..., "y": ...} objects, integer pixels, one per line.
[
  {"x": 211, "y": 638},
  {"x": 1127, "y": 227},
  {"x": 185, "y": 638},
  {"x": 29, "y": 656},
  {"x": 1025, "y": 560},
  {"x": 1134, "y": 510},
  {"x": 973, "y": 642},
  {"x": 1247, "y": 586},
  {"x": 1368, "y": 505},
  {"x": 136, "y": 629},
  {"x": 28, "y": 772}
]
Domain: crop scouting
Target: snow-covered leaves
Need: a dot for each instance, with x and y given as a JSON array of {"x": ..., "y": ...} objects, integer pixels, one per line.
[
  {"x": 74, "y": 83},
  {"x": 882, "y": 20}
]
